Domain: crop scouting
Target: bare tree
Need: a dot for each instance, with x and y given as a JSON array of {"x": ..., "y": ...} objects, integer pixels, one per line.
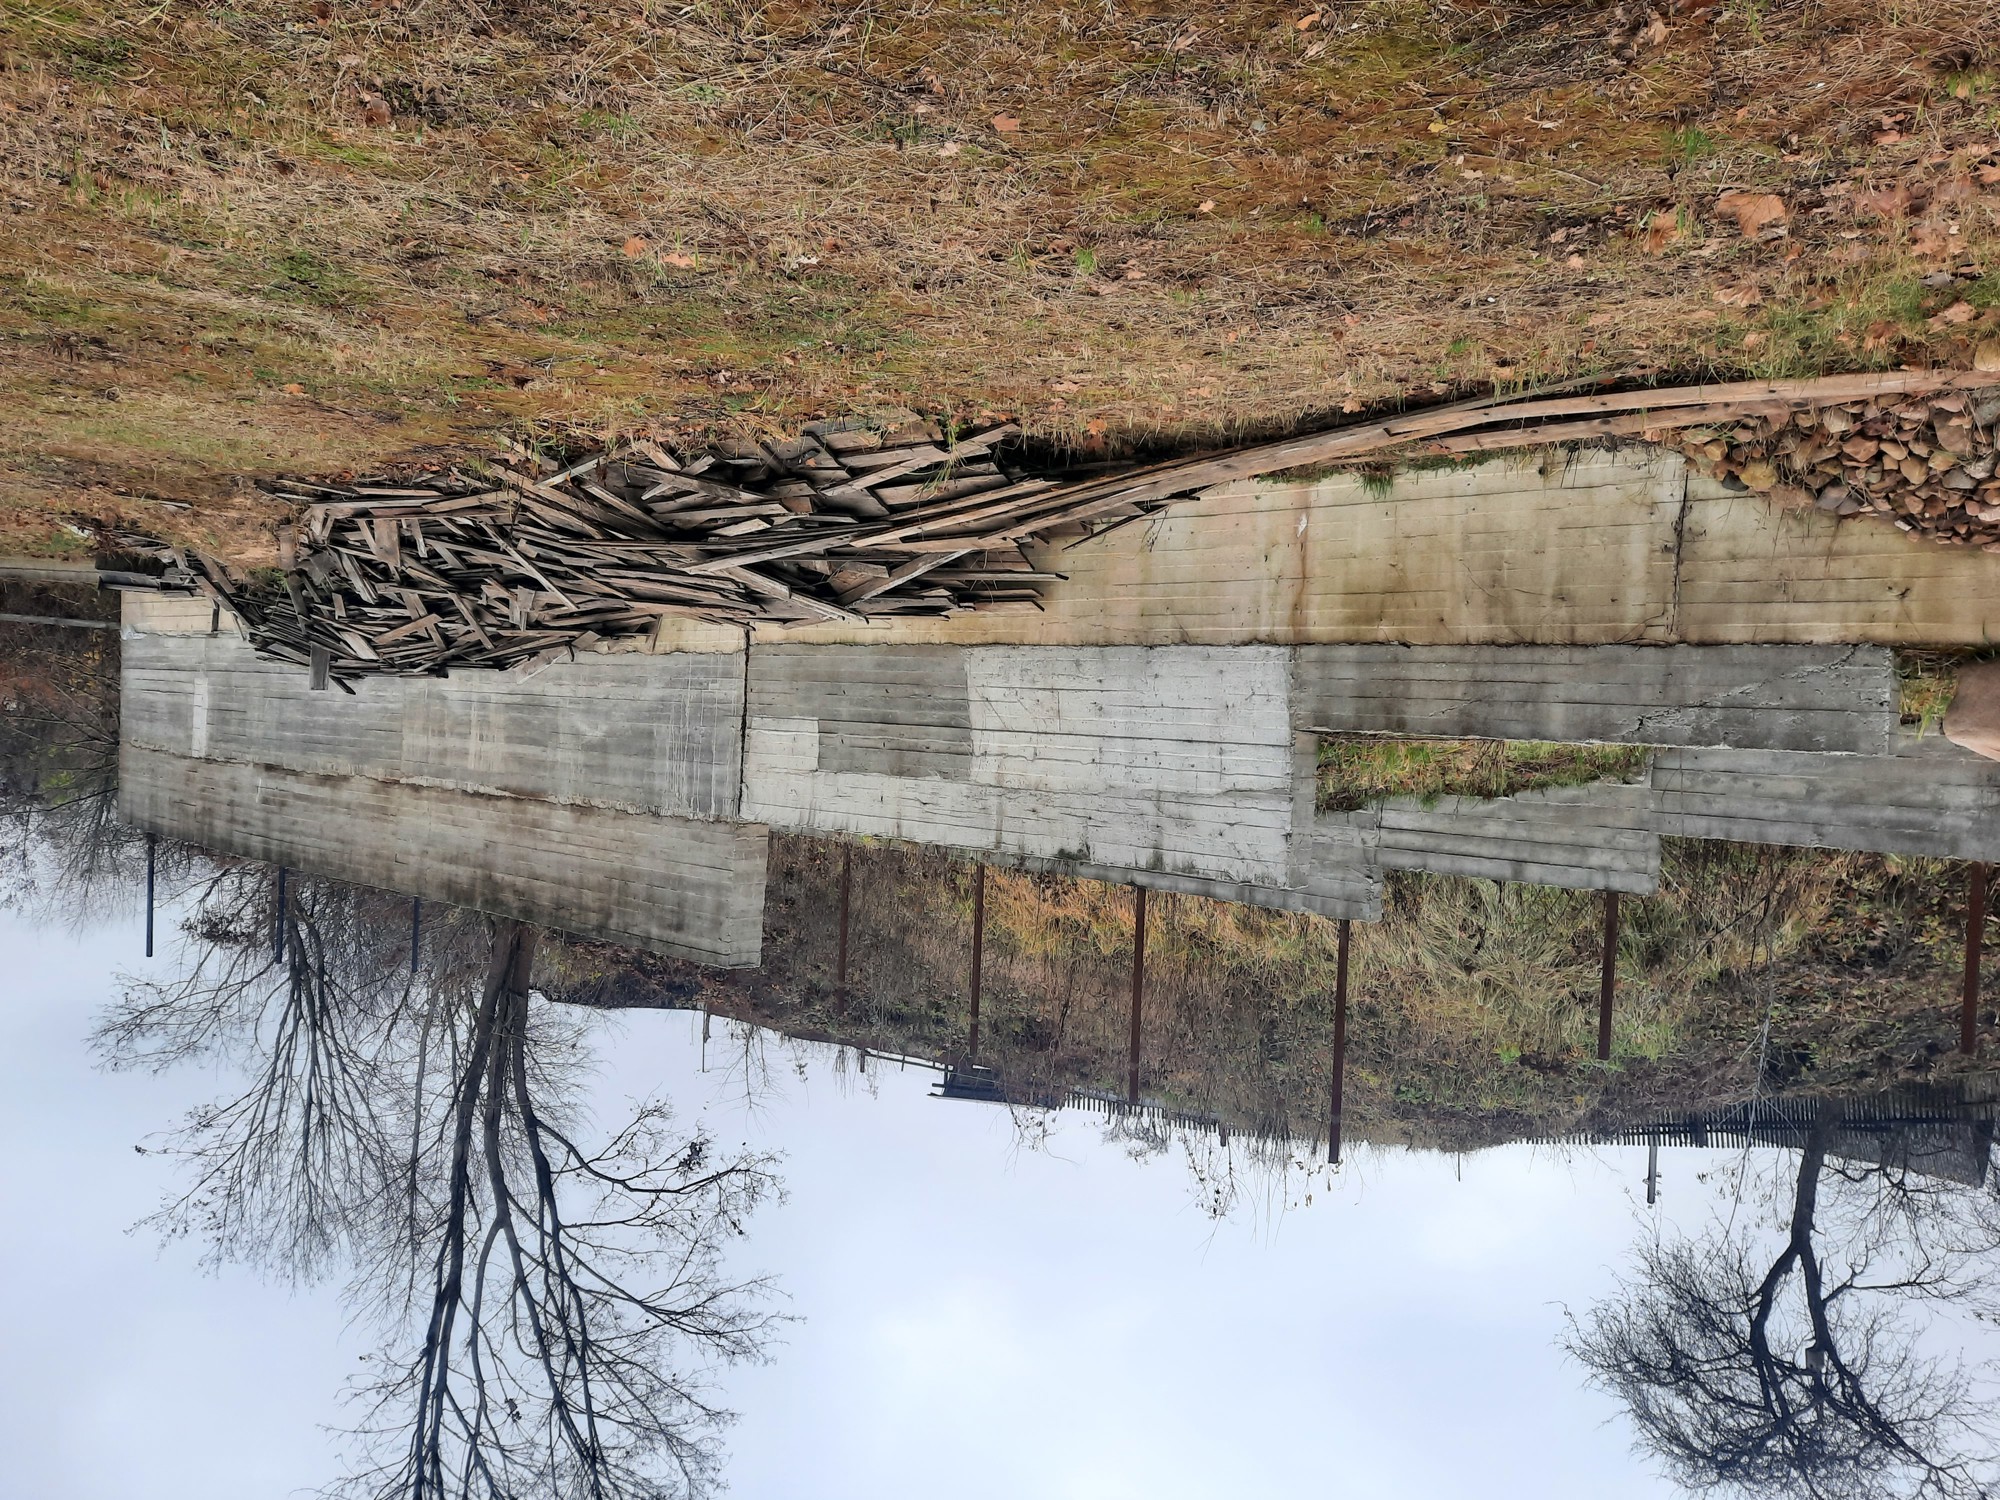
[
  {"x": 553, "y": 1309},
  {"x": 1795, "y": 1372},
  {"x": 320, "y": 1010},
  {"x": 564, "y": 1281}
]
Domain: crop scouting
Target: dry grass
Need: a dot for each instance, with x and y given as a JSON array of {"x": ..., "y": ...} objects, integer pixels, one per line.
[
  {"x": 1356, "y": 771},
  {"x": 1211, "y": 220},
  {"x": 1474, "y": 1003}
]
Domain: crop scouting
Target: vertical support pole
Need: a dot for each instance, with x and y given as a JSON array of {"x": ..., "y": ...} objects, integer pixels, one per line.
[
  {"x": 846, "y": 886},
  {"x": 1975, "y": 939},
  {"x": 416, "y": 929},
  {"x": 1339, "y": 1042},
  {"x": 152, "y": 852},
  {"x": 1138, "y": 991},
  {"x": 978, "y": 953},
  {"x": 1652, "y": 1170},
  {"x": 278, "y": 925},
  {"x": 1608, "y": 981}
]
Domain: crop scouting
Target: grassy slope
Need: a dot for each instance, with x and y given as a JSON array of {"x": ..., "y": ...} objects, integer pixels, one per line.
[{"x": 314, "y": 234}]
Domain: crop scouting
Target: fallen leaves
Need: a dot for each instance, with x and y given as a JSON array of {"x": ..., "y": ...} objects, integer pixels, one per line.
[
  {"x": 1661, "y": 231},
  {"x": 1206, "y": 206},
  {"x": 1006, "y": 124},
  {"x": 1753, "y": 212},
  {"x": 686, "y": 262},
  {"x": 1747, "y": 295},
  {"x": 1986, "y": 358},
  {"x": 635, "y": 247},
  {"x": 1892, "y": 202},
  {"x": 1958, "y": 313}
]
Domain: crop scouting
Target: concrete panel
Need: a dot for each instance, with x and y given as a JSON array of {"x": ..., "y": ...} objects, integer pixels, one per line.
[
  {"x": 1752, "y": 571},
  {"x": 690, "y": 888},
  {"x": 1828, "y": 698},
  {"x": 1928, "y": 797},
  {"x": 1582, "y": 838},
  {"x": 1174, "y": 760},
  {"x": 645, "y": 733},
  {"x": 899, "y": 711}
]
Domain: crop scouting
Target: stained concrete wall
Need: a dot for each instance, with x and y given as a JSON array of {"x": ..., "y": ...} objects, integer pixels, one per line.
[
  {"x": 1175, "y": 761},
  {"x": 646, "y": 733},
  {"x": 1826, "y": 698},
  {"x": 1927, "y": 797},
  {"x": 1597, "y": 837},
  {"x": 681, "y": 886},
  {"x": 1588, "y": 549}
]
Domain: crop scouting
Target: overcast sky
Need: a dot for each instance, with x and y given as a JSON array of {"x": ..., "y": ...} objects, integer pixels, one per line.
[{"x": 1032, "y": 1323}]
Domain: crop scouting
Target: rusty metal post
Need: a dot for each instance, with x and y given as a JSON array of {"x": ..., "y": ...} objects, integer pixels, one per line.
[
  {"x": 978, "y": 952},
  {"x": 1608, "y": 981},
  {"x": 1339, "y": 1043},
  {"x": 1138, "y": 990},
  {"x": 152, "y": 851},
  {"x": 1975, "y": 940},
  {"x": 846, "y": 885},
  {"x": 278, "y": 925}
]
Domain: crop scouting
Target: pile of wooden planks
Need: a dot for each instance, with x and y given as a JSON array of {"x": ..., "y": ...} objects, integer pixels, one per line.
[
  {"x": 534, "y": 558},
  {"x": 860, "y": 521}
]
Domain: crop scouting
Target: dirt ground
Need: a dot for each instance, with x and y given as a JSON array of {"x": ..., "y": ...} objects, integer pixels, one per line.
[{"x": 325, "y": 235}]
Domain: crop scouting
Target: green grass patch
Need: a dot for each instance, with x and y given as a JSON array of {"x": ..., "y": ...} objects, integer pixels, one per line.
[
  {"x": 1926, "y": 682},
  {"x": 311, "y": 278},
  {"x": 1357, "y": 771}
]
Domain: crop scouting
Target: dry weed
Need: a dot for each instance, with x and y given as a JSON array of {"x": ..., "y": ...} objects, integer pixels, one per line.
[{"x": 271, "y": 235}]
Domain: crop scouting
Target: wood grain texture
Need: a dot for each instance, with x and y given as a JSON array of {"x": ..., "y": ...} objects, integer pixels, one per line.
[
  {"x": 1928, "y": 797},
  {"x": 1582, "y": 838},
  {"x": 1755, "y": 572},
  {"x": 645, "y": 733},
  {"x": 1173, "y": 760},
  {"x": 1824, "y": 698}
]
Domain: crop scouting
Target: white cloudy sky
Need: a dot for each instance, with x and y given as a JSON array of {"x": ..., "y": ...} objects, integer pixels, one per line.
[{"x": 1057, "y": 1323}]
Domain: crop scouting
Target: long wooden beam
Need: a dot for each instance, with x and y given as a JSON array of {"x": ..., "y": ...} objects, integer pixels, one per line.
[
  {"x": 1975, "y": 938},
  {"x": 846, "y": 887},
  {"x": 1608, "y": 977},
  {"x": 1138, "y": 991},
  {"x": 978, "y": 953},
  {"x": 1339, "y": 1042}
]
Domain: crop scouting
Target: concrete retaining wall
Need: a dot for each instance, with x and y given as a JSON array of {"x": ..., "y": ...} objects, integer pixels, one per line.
[
  {"x": 1825, "y": 698},
  {"x": 1173, "y": 760},
  {"x": 646, "y": 733},
  {"x": 1928, "y": 797},
  {"x": 1596, "y": 837},
  {"x": 686, "y": 887}
]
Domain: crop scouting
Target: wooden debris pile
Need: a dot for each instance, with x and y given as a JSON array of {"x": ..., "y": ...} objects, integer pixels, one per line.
[
  {"x": 1925, "y": 461},
  {"x": 860, "y": 522},
  {"x": 510, "y": 570}
]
